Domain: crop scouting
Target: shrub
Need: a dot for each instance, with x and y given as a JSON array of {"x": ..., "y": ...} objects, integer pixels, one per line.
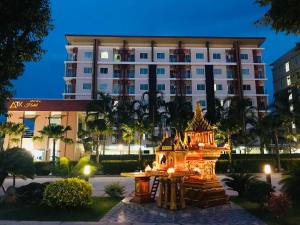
[
  {"x": 239, "y": 182},
  {"x": 43, "y": 168},
  {"x": 259, "y": 191},
  {"x": 68, "y": 193},
  {"x": 31, "y": 193},
  {"x": 114, "y": 190},
  {"x": 291, "y": 183},
  {"x": 278, "y": 204}
]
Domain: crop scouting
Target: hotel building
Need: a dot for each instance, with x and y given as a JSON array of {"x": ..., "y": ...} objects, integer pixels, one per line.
[
  {"x": 199, "y": 68},
  {"x": 286, "y": 81}
]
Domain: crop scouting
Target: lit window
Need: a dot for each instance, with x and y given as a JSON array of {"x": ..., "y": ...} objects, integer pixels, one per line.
[
  {"x": 161, "y": 87},
  {"x": 216, "y": 56},
  {"x": 104, "y": 70},
  {"x": 143, "y": 55},
  {"x": 200, "y": 87},
  {"x": 160, "y": 55},
  {"x": 288, "y": 80},
  {"x": 245, "y": 72},
  {"x": 87, "y": 69},
  {"x": 199, "y": 56},
  {"x": 291, "y": 96},
  {"x": 86, "y": 86},
  {"x": 88, "y": 55},
  {"x": 200, "y": 71},
  {"x": 287, "y": 67},
  {"x": 143, "y": 70},
  {"x": 104, "y": 55},
  {"x": 143, "y": 87},
  {"x": 160, "y": 71},
  {"x": 217, "y": 71}
]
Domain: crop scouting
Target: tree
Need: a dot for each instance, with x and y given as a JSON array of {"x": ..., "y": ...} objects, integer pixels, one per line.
[
  {"x": 24, "y": 24},
  {"x": 100, "y": 117},
  {"x": 14, "y": 131},
  {"x": 16, "y": 161},
  {"x": 127, "y": 135},
  {"x": 233, "y": 117},
  {"x": 56, "y": 132},
  {"x": 180, "y": 112},
  {"x": 282, "y": 15}
]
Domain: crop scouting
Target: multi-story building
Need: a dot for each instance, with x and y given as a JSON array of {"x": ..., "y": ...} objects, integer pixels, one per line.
[
  {"x": 200, "y": 68},
  {"x": 286, "y": 80}
]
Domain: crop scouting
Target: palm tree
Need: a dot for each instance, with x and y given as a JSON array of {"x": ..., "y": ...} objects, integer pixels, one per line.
[
  {"x": 14, "y": 131},
  {"x": 100, "y": 115},
  {"x": 180, "y": 112},
  {"x": 233, "y": 118},
  {"x": 56, "y": 132},
  {"x": 127, "y": 135}
]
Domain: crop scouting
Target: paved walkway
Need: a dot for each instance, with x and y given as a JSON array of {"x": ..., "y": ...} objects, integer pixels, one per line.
[{"x": 126, "y": 213}]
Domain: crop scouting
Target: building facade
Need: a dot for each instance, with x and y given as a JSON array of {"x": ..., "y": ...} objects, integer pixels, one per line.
[
  {"x": 286, "y": 81},
  {"x": 38, "y": 113},
  {"x": 199, "y": 68}
]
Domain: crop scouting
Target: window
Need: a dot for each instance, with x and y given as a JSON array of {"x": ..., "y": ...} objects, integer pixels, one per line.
[
  {"x": 104, "y": 55},
  {"x": 245, "y": 72},
  {"x": 219, "y": 87},
  {"x": 202, "y": 103},
  {"x": 199, "y": 56},
  {"x": 104, "y": 70},
  {"x": 244, "y": 56},
  {"x": 200, "y": 71},
  {"x": 287, "y": 67},
  {"x": 173, "y": 58},
  {"x": 143, "y": 55},
  {"x": 143, "y": 87},
  {"x": 217, "y": 71},
  {"x": 70, "y": 56},
  {"x": 116, "y": 89},
  {"x": 160, "y": 71},
  {"x": 161, "y": 87},
  {"x": 246, "y": 87},
  {"x": 143, "y": 70},
  {"x": 130, "y": 89},
  {"x": 200, "y": 87},
  {"x": 87, "y": 69},
  {"x": 131, "y": 73},
  {"x": 86, "y": 86},
  {"x": 216, "y": 56},
  {"x": 29, "y": 123},
  {"x": 88, "y": 55},
  {"x": 103, "y": 87},
  {"x": 288, "y": 80},
  {"x": 229, "y": 74},
  {"x": 160, "y": 55},
  {"x": 117, "y": 73},
  {"x": 55, "y": 119}
]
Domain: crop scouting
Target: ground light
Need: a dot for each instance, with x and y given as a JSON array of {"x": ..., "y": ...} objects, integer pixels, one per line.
[
  {"x": 87, "y": 172},
  {"x": 268, "y": 171}
]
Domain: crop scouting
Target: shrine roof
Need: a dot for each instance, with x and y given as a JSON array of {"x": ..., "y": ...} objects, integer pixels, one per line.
[{"x": 198, "y": 123}]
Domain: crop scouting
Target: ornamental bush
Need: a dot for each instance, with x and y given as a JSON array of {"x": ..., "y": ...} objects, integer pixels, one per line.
[
  {"x": 114, "y": 190},
  {"x": 68, "y": 193}
]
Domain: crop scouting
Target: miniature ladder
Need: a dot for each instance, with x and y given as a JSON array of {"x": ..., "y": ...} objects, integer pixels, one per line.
[{"x": 154, "y": 188}]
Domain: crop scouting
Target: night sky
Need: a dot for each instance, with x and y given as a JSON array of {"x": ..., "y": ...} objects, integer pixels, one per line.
[{"x": 44, "y": 79}]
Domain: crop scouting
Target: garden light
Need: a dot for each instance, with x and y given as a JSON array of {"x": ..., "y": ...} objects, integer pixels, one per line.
[
  {"x": 268, "y": 171},
  {"x": 87, "y": 171},
  {"x": 170, "y": 171}
]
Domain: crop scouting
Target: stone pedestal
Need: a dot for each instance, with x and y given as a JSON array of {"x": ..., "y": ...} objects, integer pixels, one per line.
[{"x": 142, "y": 190}]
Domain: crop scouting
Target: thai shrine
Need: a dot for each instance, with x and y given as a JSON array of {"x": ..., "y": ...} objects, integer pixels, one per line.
[{"x": 184, "y": 171}]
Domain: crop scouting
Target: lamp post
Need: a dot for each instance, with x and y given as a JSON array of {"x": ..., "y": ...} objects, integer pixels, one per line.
[
  {"x": 87, "y": 172},
  {"x": 268, "y": 171}
]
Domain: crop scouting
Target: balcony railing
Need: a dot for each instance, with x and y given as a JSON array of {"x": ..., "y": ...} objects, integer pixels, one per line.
[{"x": 70, "y": 73}]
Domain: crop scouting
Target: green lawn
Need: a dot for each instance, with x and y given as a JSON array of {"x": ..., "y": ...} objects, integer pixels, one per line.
[
  {"x": 291, "y": 218},
  {"x": 99, "y": 207}
]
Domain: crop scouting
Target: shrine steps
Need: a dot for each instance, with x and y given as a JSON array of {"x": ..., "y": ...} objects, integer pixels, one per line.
[{"x": 204, "y": 194}]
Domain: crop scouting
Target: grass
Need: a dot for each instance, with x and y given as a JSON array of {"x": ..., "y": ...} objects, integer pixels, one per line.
[
  {"x": 292, "y": 217},
  {"x": 94, "y": 212}
]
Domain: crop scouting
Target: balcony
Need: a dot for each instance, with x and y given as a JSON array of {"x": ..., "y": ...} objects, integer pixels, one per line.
[
  {"x": 259, "y": 75},
  {"x": 188, "y": 90},
  {"x": 71, "y": 57},
  {"x": 173, "y": 90},
  {"x": 229, "y": 75},
  {"x": 116, "y": 74},
  {"x": 231, "y": 91},
  {"x": 187, "y": 74},
  {"x": 130, "y": 89},
  {"x": 131, "y": 73},
  {"x": 173, "y": 58},
  {"x": 261, "y": 91},
  {"x": 257, "y": 59},
  {"x": 230, "y": 59}
]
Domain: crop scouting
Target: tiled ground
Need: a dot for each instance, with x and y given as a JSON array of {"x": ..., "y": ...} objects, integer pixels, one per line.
[{"x": 131, "y": 213}]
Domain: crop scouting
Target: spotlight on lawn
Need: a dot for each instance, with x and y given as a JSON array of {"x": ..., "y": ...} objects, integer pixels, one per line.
[
  {"x": 87, "y": 172},
  {"x": 268, "y": 171}
]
